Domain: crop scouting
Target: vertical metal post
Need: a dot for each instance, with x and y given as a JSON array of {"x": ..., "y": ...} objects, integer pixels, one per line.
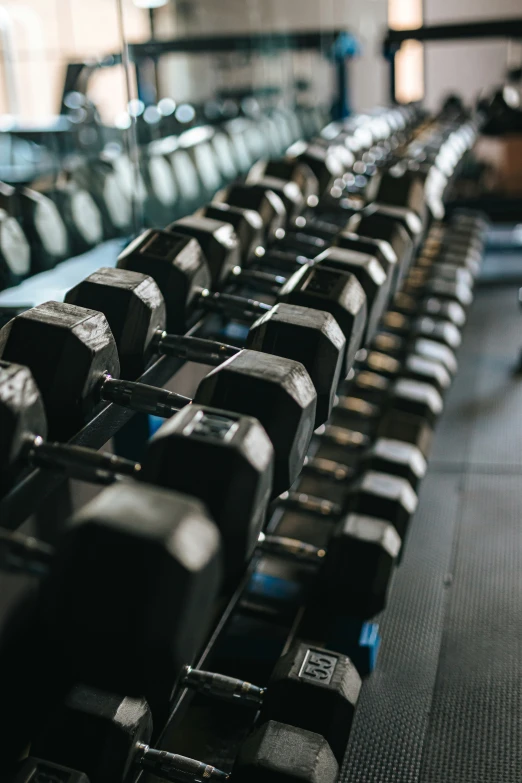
[
  {"x": 391, "y": 63},
  {"x": 341, "y": 107}
]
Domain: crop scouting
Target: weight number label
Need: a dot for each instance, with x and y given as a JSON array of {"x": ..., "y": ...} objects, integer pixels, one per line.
[{"x": 318, "y": 666}]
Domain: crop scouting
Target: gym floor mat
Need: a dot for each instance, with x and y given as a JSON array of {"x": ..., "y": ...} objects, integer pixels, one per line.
[{"x": 445, "y": 702}]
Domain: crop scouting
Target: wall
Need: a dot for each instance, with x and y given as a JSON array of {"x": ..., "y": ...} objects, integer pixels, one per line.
[
  {"x": 46, "y": 34},
  {"x": 365, "y": 18},
  {"x": 465, "y": 67}
]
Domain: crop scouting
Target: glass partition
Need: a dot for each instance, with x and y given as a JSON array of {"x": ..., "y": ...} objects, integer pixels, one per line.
[{"x": 116, "y": 115}]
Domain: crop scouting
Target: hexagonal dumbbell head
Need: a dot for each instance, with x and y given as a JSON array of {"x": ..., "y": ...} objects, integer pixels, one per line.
[
  {"x": 338, "y": 293},
  {"x": 416, "y": 398},
  {"x": 423, "y": 370},
  {"x": 290, "y": 170},
  {"x": 278, "y": 392},
  {"x": 378, "y": 226},
  {"x": 369, "y": 273},
  {"x": 135, "y": 309},
  {"x": 278, "y": 753},
  {"x": 400, "y": 425},
  {"x": 398, "y": 458},
  {"x": 261, "y": 200},
  {"x": 288, "y": 191},
  {"x": 130, "y": 595},
  {"x": 315, "y": 689},
  {"x": 217, "y": 240},
  {"x": 68, "y": 350},
  {"x": 358, "y": 568},
  {"x": 246, "y": 223},
  {"x": 383, "y": 496},
  {"x": 178, "y": 266},
  {"x": 442, "y": 331},
  {"x": 21, "y": 414},
  {"x": 325, "y": 165},
  {"x": 224, "y": 459},
  {"x": 113, "y": 725},
  {"x": 312, "y": 337}
]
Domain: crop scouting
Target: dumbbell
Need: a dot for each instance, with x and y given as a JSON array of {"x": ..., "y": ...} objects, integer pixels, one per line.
[
  {"x": 417, "y": 398},
  {"x": 110, "y": 735},
  {"x": 136, "y": 313},
  {"x": 48, "y": 338},
  {"x": 393, "y": 345},
  {"x": 384, "y": 455},
  {"x": 287, "y": 169},
  {"x": 92, "y": 724},
  {"x": 34, "y": 770},
  {"x": 177, "y": 265},
  {"x": 423, "y": 327},
  {"x": 412, "y": 367},
  {"x": 223, "y": 255},
  {"x": 374, "y": 276},
  {"x": 235, "y": 484},
  {"x": 406, "y": 413},
  {"x": 15, "y": 252},
  {"x": 44, "y": 228},
  {"x": 261, "y": 201},
  {"x": 374, "y": 273},
  {"x": 309, "y": 688},
  {"x": 126, "y": 597},
  {"x": 433, "y": 307},
  {"x": 235, "y": 451},
  {"x": 376, "y": 493},
  {"x": 375, "y": 222},
  {"x": 403, "y": 189},
  {"x": 247, "y": 224},
  {"x": 100, "y": 178},
  {"x": 24, "y": 427},
  {"x": 166, "y": 465},
  {"x": 80, "y": 214}
]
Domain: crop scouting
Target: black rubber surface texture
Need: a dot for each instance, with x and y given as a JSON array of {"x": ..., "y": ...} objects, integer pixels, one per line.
[{"x": 445, "y": 702}]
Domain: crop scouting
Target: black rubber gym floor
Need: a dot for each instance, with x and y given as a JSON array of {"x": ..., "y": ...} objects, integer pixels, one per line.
[{"x": 445, "y": 702}]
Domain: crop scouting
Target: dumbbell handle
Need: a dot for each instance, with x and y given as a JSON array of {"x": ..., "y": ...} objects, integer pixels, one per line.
[
  {"x": 281, "y": 546},
  {"x": 194, "y": 349},
  {"x": 235, "y": 306},
  {"x": 142, "y": 398},
  {"x": 311, "y": 503},
  {"x": 78, "y": 462},
  {"x": 170, "y": 766},
  {"x": 222, "y": 687}
]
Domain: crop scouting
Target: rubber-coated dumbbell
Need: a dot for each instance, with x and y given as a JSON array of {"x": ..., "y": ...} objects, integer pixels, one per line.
[
  {"x": 393, "y": 345},
  {"x": 44, "y": 228},
  {"x": 166, "y": 468},
  {"x": 178, "y": 267},
  {"x": 235, "y": 452},
  {"x": 137, "y": 316},
  {"x": 274, "y": 752},
  {"x": 135, "y": 564},
  {"x": 50, "y": 337},
  {"x": 235, "y": 485},
  {"x": 374, "y": 493}
]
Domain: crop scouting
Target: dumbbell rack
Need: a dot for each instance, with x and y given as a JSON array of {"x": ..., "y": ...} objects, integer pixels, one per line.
[
  {"x": 37, "y": 486},
  {"x": 339, "y": 46}
]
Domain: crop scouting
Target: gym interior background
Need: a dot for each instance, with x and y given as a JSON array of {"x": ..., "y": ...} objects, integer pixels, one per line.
[{"x": 260, "y": 391}]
